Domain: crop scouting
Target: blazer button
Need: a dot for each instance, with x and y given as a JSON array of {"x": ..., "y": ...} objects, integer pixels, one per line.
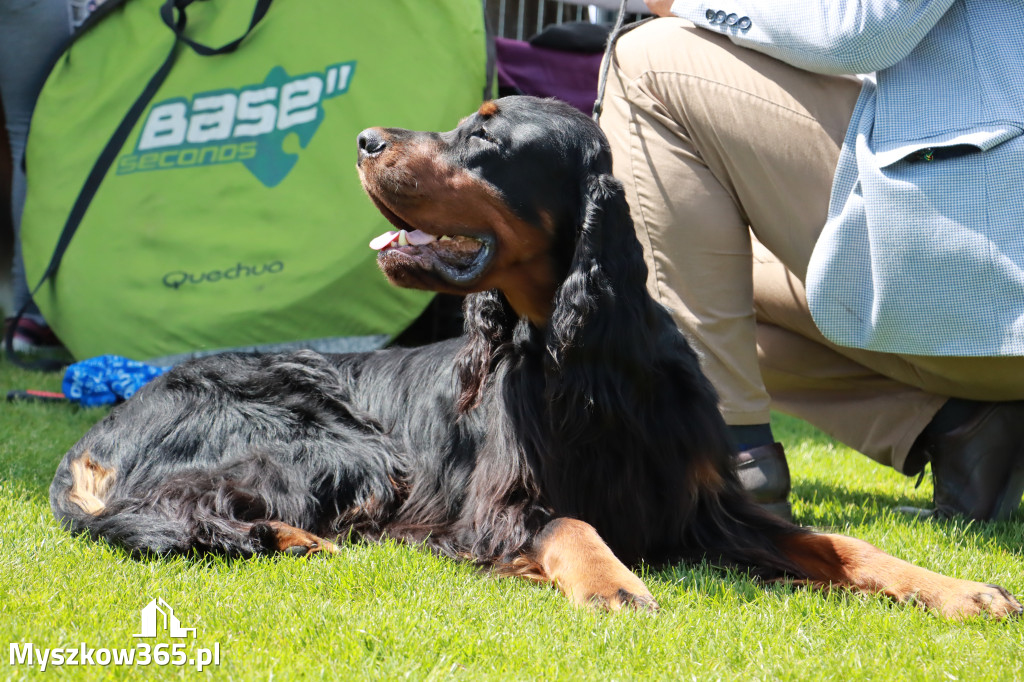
[
  {"x": 720, "y": 16},
  {"x": 710, "y": 15},
  {"x": 732, "y": 19},
  {"x": 744, "y": 24}
]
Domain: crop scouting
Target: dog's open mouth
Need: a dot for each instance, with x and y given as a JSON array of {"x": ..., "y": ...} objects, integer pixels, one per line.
[{"x": 458, "y": 259}]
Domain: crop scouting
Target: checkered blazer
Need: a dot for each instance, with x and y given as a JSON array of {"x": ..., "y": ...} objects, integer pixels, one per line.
[{"x": 923, "y": 250}]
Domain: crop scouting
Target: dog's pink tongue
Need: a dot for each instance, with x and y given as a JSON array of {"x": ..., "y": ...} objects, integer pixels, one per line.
[
  {"x": 416, "y": 238},
  {"x": 419, "y": 237}
]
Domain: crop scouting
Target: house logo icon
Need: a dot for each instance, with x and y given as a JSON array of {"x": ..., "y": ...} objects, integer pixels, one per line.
[{"x": 158, "y": 612}]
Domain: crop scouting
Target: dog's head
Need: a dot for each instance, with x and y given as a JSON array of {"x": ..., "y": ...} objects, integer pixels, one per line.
[
  {"x": 492, "y": 204},
  {"x": 516, "y": 206}
]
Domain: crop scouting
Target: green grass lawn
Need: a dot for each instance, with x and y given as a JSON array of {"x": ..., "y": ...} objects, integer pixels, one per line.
[{"x": 389, "y": 611}]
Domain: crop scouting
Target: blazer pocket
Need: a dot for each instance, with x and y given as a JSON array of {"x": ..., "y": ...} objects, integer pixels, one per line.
[{"x": 948, "y": 144}]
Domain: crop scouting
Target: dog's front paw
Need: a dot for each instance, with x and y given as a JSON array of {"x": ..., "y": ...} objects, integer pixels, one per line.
[
  {"x": 965, "y": 599},
  {"x": 615, "y": 594},
  {"x": 624, "y": 599},
  {"x": 571, "y": 554}
]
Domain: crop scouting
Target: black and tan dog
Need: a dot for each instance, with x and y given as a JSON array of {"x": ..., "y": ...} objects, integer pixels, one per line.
[{"x": 568, "y": 434}]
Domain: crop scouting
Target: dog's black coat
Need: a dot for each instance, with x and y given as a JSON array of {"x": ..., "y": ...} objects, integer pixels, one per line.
[{"x": 472, "y": 445}]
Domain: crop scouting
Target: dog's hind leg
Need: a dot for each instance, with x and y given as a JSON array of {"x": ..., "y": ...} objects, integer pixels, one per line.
[
  {"x": 250, "y": 505},
  {"x": 848, "y": 562},
  {"x": 280, "y": 537},
  {"x": 571, "y": 554}
]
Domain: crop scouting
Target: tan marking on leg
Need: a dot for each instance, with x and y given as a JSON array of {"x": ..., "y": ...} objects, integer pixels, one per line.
[
  {"x": 572, "y": 555},
  {"x": 90, "y": 484},
  {"x": 289, "y": 537},
  {"x": 846, "y": 561}
]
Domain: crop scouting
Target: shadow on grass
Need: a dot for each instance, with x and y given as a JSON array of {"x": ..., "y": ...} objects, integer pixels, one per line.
[
  {"x": 730, "y": 588},
  {"x": 844, "y": 507}
]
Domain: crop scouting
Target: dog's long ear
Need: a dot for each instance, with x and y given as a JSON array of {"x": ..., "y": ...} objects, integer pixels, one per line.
[
  {"x": 489, "y": 322},
  {"x": 601, "y": 338}
]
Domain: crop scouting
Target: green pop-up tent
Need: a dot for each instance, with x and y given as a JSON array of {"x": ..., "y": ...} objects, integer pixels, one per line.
[{"x": 231, "y": 215}]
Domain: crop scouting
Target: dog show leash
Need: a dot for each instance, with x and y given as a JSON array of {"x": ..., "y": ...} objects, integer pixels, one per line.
[{"x": 609, "y": 50}]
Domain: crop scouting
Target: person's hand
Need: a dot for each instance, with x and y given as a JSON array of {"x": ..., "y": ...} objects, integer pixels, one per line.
[{"x": 663, "y": 8}]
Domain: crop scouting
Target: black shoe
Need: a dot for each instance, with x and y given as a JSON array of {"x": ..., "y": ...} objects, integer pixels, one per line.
[
  {"x": 978, "y": 467},
  {"x": 764, "y": 473}
]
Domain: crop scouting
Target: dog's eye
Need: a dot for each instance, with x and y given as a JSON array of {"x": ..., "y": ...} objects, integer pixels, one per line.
[{"x": 484, "y": 135}]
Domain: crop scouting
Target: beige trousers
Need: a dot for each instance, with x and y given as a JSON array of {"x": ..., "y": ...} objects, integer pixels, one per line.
[{"x": 714, "y": 142}]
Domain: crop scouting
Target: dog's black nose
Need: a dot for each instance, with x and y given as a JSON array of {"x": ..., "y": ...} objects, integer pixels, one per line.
[{"x": 371, "y": 143}]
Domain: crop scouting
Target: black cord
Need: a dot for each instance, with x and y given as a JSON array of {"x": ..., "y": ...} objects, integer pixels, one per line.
[{"x": 606, "y": 62}]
